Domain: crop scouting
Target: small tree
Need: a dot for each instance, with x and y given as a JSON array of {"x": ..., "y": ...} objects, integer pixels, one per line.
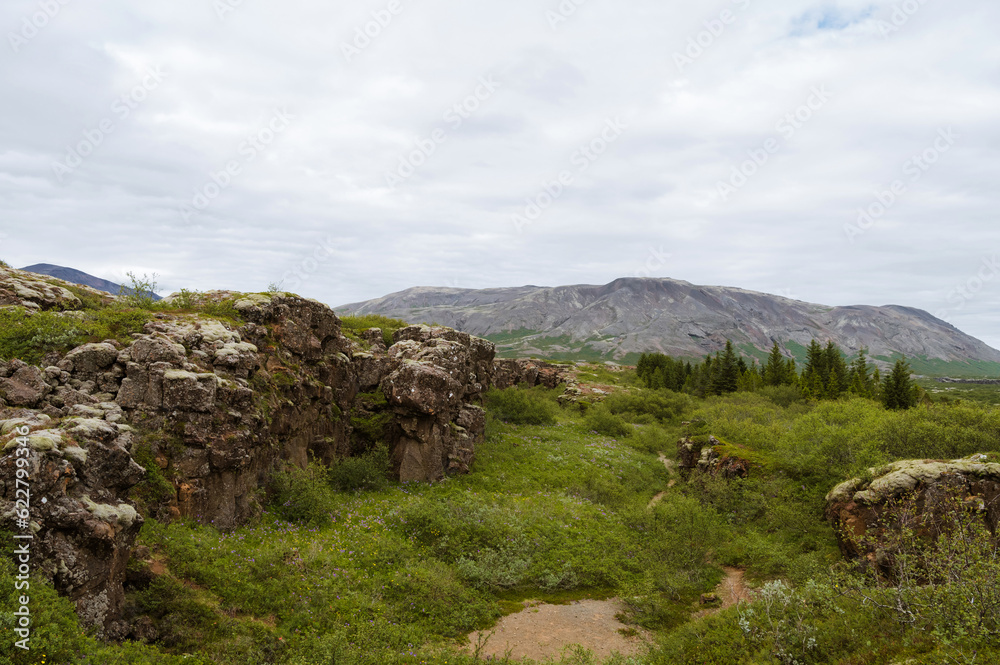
[
  {"x": 776, "y": 370},
  {"x": 141, "y": 292},
  {"x": 860, "y": 380},
  {"x": 836, "y": 380},
  {"x": 898, "y": 390},
  {"x": 726, "y": 373}
]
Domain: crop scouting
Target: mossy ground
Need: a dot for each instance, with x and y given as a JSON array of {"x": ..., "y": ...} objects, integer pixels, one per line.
[{"x": 551, "y": 511}]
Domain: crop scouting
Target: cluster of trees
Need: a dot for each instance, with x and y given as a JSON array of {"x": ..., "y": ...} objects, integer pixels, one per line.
[{"x": 826, "y": 375}]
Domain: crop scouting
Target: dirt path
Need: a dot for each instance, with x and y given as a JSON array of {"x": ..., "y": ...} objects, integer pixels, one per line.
[
  {"x": 542, "y": 630},
  {"x": 671, "y": 469},
  {"x": 731, "y": 591}
]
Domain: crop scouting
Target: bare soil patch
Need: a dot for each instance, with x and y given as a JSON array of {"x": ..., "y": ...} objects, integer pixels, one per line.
[
  {"x": 730, "y": 591},
  {"x": 542, "y": 630}
]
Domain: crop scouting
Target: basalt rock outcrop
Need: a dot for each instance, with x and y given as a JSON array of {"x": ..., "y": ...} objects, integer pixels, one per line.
[
  {"x": 204, "y": 409},
  {"x": 437, "y": 376},
  {"x": 38, "y": 292},
  {"x": 862, "y": 510},
  {"x": 708, "y": 455},
  {"x": 517, "y": 371},
  {"x": 79, "y": 471}
]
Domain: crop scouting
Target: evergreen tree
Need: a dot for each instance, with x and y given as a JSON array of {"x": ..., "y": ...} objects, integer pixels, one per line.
[
  {"x": 726, "y": 373},
  {"x": 751, "y": 380},
  {"x": 776, "y": 370},
  {"x": 814, "y": 376},
  {"x": 791, "y": 373},
  {"x": 836, "y": 382},
  {"x": 860, "y": 382},
  {"x": 898, "y": 390}
]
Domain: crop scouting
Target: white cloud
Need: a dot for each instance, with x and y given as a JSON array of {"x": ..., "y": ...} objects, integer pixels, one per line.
[{"x": 891, "y": 91}]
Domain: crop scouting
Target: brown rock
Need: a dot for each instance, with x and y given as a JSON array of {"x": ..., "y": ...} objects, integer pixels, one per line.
[{"x": 25, "y": 387}]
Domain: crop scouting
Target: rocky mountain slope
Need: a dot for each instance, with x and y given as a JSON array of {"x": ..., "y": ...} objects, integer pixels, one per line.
[
  {"x": 79, "y": 277},
  {"x": 192, "y": 413},
  {"x": 630, "y": 316}
]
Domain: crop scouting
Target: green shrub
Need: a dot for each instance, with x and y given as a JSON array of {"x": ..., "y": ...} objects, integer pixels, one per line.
[
  {"x": 783, "y": 395},
  {"x": 599, "y": 419},
  {"x": 372, "y": 427},
  {"x": 154, "y": 490},
  {"x": 30, "y": 336},
  {"x": 521, "y": 407},
  {"x": 140, "y": 292},
  {"x": 224, "y": 309},
  {"x": 354, "y": 325},
  {"x": 664, "y": 406},
  {"x": 368, "y": 471},
  {"x": 303, "y": 495}
]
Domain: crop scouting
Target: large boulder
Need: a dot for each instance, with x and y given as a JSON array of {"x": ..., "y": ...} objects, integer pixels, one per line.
[
  {"x": 25, "y": 385},
  {"x": 436, "y": 375},
  {"x": 83, "y": 525},
  {"x": 516, "y": 371},
  {"x": 861, "y": 510}
]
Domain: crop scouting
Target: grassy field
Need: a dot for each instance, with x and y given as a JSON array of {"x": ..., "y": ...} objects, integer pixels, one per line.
[{"x": 552, "y": 510}]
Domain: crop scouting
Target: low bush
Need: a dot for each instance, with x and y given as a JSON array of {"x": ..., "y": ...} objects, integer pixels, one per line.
[
  {"x": 663, "y": 406},
  {"x": 368, "y": 471},
  {"x": 522, "y": 407},
  {"x": 30, "y": 336},
  {"x": 303, "y": 496},
  {"x": 354, "y": 325},
  {"x": 601, "y": 420}
]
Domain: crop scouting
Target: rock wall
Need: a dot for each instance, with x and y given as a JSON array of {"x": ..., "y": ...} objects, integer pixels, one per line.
[
  {"x": 707, "y": 455},
  {"x": 858, "y": 508},
  {"x": 516, "y": 371},
  {"x": 79, "y": 471},
  {"x": 215, "y": 405}
]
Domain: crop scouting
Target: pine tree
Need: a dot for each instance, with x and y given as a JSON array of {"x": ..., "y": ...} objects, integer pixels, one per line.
[
  {"x": 859, "y": 380},
  {"x": 750, "y": 380},
  {"x": 791, "y": 373},
  {"x": 726, "y": 374},
  {"x": 898, "y": 390},
  {"x": 816, "y": 372},
  {"x": 836, "y": 382},
  {"x": 776, "y": 370}
]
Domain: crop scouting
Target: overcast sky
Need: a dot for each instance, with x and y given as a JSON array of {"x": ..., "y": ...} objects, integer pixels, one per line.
[{"x": 349, "y": 152}]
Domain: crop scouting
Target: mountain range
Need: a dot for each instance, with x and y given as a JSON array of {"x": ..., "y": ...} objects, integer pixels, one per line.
[
  {"x": 630, "y": 316},
  {"x": 74, "y": 276}
]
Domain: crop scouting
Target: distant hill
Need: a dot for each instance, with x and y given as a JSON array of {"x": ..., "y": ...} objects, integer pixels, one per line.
[
  {"x": 79, "y": 277},
  {"x": 627, "y": 317}
]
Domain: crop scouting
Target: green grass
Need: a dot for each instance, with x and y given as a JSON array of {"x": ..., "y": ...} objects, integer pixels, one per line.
[
  {"x": 988, "y": 395},
  {"x": 975, "y": 369},
  {"x": 402, "y": 573},
  {"x": 31, "y": 336},
  {"x": 353, "y": 326}
]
